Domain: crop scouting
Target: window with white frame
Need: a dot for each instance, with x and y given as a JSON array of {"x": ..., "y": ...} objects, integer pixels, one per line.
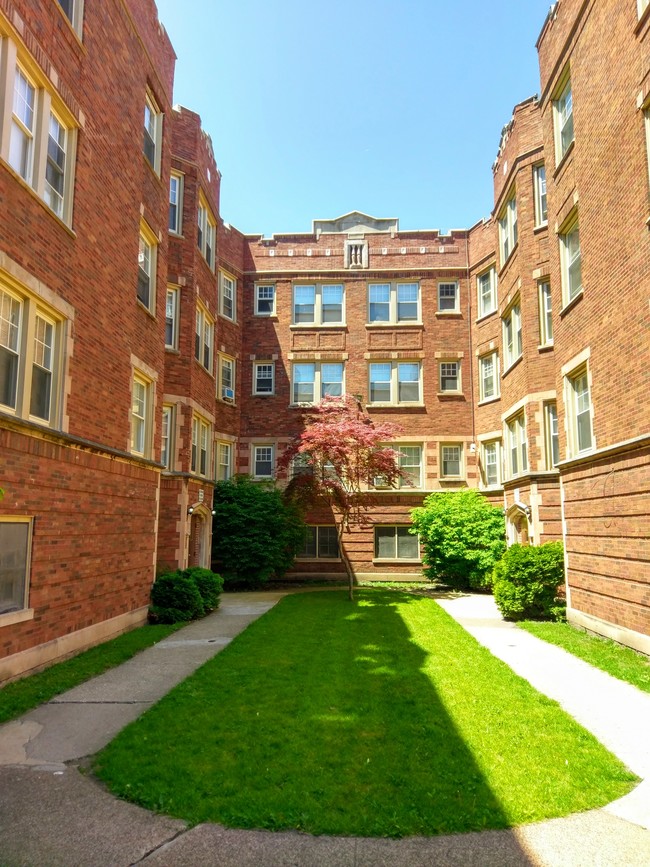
[
  {"x": 41, "y": 132},
  {"x": 396, "y": 543},
  {"x": 539, "y": 184},
  {"x": 32, "y": 340},
  {"x": 206, "y": 233},
  {"x": 201, "y": 437},
  {"x": 642, "y": 6},
  {"x": 321, "y": 543},
  {"x": 579, "y": 412},
  {"x": 318, "y": 304},
  {"x": 223, "y": 470},
  {"x": 203, "y": 337},
  {"x": 490, "y": 462},
  {"x": 264, "y": 299},
  {"x": 571, "y": 261},
  {"x": 487, "y": 292},
  {"x": 167, "y": 436},
  {"x": 449, "y": 376},
  {"x": 227, "y": 296},
  {"x": 448, "y": 300},
  {"x": 451, "y": 461},
  {"x": 512, "y": 343},
  {"x": 15, "y": 551},
  {"x": 147, "y": 255},
  {"x": 551, "y": 435},
  {"x": 171, "y": 317},
  {"x": 488, "y": 376},
  {"x": 263, "y": 461},
  {"x": 395, "y": 382},
  {"x": 508, "y": 228},
  {"x": 226, "y": 385},
  {"x": 313, "y": 380},
  {"x": 517, "y": 445},
  {"x": 563, "y": 118},
  {"x": 141, "y": 417},
  {"x": 394, "y": 303},
  {"x": 152, "y": 133},
  {"x": 176, "y": 203},
  {"x": 74, "y": 12},
  {"x": 410, "y": 463},
  {"x": 545, "y": 314},
  {"x": 263, "y": 377}
]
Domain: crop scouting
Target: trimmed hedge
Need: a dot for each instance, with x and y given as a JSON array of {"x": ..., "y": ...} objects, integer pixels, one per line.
[
  {"x": 526, "y": 582},
  {"x": 184, "y": 595}
]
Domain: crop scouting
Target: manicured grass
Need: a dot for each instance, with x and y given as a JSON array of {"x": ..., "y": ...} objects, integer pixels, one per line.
[
  {"x": 20, "y": 696},
  {"x": 380, "y": 717},
  {"x": 621, "y": 662}
]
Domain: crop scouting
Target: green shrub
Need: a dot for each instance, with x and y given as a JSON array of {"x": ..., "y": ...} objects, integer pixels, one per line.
[
  {"x": 256, "y": 533},
  {"x": 175, "y": 598},
  {"x": 209, "y": 585},
  {"x": 462, "y": 537},
  {"x": 526, "y": 582}
]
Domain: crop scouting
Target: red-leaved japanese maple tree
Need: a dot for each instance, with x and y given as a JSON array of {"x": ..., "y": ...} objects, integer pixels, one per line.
[{"x": 335, "y": 458}]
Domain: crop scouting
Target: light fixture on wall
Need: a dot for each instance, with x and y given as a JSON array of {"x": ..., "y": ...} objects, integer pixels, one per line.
[
  {"x": 214, "y": 512},
  {"x": 190, "y": 511}
]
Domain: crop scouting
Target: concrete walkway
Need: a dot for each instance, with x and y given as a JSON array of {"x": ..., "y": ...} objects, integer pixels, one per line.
[{"x": 52, "y": 815}]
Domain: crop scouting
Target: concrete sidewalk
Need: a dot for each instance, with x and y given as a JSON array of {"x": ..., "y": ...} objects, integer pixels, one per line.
[{"x": 51, "y": 815}]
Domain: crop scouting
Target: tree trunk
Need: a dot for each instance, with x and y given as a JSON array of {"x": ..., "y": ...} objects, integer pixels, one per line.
[{"x": 346, "y": 562}]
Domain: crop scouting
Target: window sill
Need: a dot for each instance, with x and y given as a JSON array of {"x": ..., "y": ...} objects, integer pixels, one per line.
[
  {"x": 455, "y": 479},
  {"x": 507, "y": 262},
  {"x": 318, "y": 559},
  {"x": 263, "y": 394},
  {"x": 491, "y": 489},
  {"x": 172, "y": 350},
  {"x": 543, "y": 227},
  {"x": 401, "y": 406},
  {"x": 546, "y": 347},
  {"x": 564, "y": 160},
  {"x": 227, "y": 318},
  {"x": 450, "y": 394},
  {"x": 572, "y": 303},
  {"x": 396, "y": 560},
  {"x": 265, "y": 316},
  {"x": 145, "y": 308},
  {"x": 296, "y": 326},
  {"x": 484, "y": 316},
  {"x": 488, "y": 400},
  {"x": 394, "y": 324},
  {"x": 16, "y": 617},
  {"x": 512, "y": 366},
  {"x": 454, "y": 314}
]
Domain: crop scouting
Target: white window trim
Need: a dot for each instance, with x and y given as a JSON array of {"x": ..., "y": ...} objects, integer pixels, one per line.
[
  {"x": 550, "y": 422},
  {"x": 456, "y": 307},
  {"x": 513, "y": 316},
  {"x": 393, "y": 304},
  {"x": 540, "y": 219},
  {"x": 224, "y": 279},
  {"x": 496, "y": 375},
  {"x": 179, "y": 177},
  {"x": 571, "y": 410},
  {"x": 490, "y": 272},
  {"x": 201, "y": 436},
  {"x": 317, "y": 321},
  {"x": 461, "y": 462},
  {"x": 204, "y": 336},
  {"x": 24, "y": 612},
  {"x": 483, "y": 476},
  {"x": 156, "y": 138},
  {"x": 545, "y": 313},
  {"x": 76, "y": 18},
  {"x": 377, "y": 559},
  {"x": 571, "y": 225},
  {"x": 149, "y": 239},
  {"x": 173, "y": 292},
  {"x": 459, "y": 381},
  {"x": 317, "y": 381},
  {"x": 642, "y": 5},
  {"x": 394, "y": 384},
  {"x": 253, "y": 466},
  {"x": 256, "y": 365},
  {"x": 271, "y": 312},
  {"x": 146, "y": 419},
  {"x": 223, "y": 390},
  {"x": 168, "y": 459},
  {"x": 218, "y": 446},
  {"x": 508, "y": 228},
  {"x": 563, "y": 88},
  {"x": 516, "y": 434},
  {"x": 206, "y": 237}
]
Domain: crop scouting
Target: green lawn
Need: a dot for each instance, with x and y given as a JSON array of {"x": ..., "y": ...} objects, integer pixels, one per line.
[
  {"x": 381, "y": 717},
  {"x": 621, "y": 662},
  {"x": 20, "y": 696}
]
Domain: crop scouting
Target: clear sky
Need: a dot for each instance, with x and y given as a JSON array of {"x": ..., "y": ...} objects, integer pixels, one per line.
[{"x": 390, "y": 108}]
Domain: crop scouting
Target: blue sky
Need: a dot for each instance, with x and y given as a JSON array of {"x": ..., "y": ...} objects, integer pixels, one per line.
[{"x": 391, "y": 108}]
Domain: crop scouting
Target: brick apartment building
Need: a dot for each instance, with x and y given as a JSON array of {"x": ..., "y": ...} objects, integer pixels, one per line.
[{"x": 148, "y": 348}]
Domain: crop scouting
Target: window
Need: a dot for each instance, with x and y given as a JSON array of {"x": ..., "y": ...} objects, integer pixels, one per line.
[
  {"x": 539, "y": 183},
  {"x": 263, "y": 377},
  {"x": 517, "y": 445},
  {"x": 487, "y": 292},
  {"x": 226, "y": 386},
  {"x": 176, "y": 203},
  {"x": 263, "y": 459},
  {"x": 31, "y": 358},
  {"x": 490, "y": 459},
  {"x": 395, "y": 382},
  {"x": 320, "y": 543},
  {"x": 394, "y": 303},
  {"x": 488, "y": 376},
  {"x": 551, "y": 436},
  {"x": 545, "y": 315},
  {"x": 203, "y": 337},
  {"x": 224, "y": 462},
  {"x": 318, "y": 304},
  {"x": 508, "y": 228},
  {"x": 141, "y": 433},
  {"x": 227, "y": 296},
  {"x": 171, "y": 318},
  {"x": 206, "y": 234},
  {"x": 167, "y": 437},
  {"x": 147, "y": 252},
  {"x": 563, "y": 117},
  {"x": 642, "y": 6},
  {"x": 201, "y": 436},
  {"x": 314, "y": 380},
  {"x": 448, "y": 301},
  {"x": 451, "y": 461},
  {"x": 74, "y": 12},
  {"x": 578, "y": 405},
  {"x": 512, "y": 344},
  {"x": 396, "y": 543},
  {"x": 449, "y": 376},
  {"x": 41, "y": 133},
  {"x": 265, "y": 300},
  {"x": 152, "y": 133},
  {"x": 15, "y": 549},
  {"x": 570, "y": 260},
  {"x": 410, "y": 463}
]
